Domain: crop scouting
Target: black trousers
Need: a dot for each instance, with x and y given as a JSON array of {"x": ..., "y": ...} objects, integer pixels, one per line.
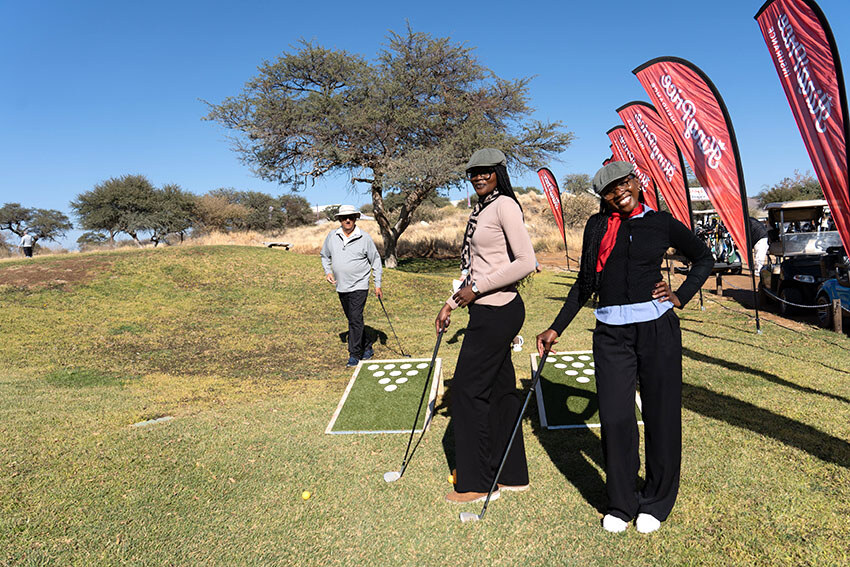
[
  {"x": 353, "y": 303},
  {"x": 485, "y": 402},
  {"x": 648, "y": 353},
  {"x": 28, "y": 251}
]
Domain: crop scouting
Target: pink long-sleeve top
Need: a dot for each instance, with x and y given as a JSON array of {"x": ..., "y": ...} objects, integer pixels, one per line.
[{"x": 501, "y": 253}]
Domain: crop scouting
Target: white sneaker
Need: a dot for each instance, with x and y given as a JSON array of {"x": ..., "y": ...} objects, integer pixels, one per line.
[
  {"x": 614, "y": 524},
  {"x": 646, "y": 523}
]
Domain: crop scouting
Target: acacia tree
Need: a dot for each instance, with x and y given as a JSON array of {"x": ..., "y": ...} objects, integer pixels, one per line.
[
  {"x": 48, "y": 224},
  {"x": 119, "y": 204},
  {"x": 173, "y": 212},
  {"x": 406, "y": 122},
  {"x": 576, "y": 183}
]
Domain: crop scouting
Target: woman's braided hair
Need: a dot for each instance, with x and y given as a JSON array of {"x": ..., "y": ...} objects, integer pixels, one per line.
[
  {"x": 503, "y": 183},
  {"x": 594, "y": 231}
]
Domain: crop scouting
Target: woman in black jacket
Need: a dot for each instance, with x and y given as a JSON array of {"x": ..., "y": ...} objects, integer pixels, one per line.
[{"x": 637, "y": 340}]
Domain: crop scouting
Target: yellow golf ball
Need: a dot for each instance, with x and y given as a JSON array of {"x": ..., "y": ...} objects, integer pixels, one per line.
[
  {"x": 306, "y": 495},
  {"x": 451, "y": 479}
]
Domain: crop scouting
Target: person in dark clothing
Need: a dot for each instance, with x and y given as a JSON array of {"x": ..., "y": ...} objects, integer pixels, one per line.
[
  {"x": 637, "y": 341},
  {"x": 758, "y": 235},
  {"x": 496, "y": 254}
]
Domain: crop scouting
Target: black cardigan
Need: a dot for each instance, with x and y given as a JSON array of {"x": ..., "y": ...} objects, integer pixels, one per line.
[{"x": 634, "y": 266}]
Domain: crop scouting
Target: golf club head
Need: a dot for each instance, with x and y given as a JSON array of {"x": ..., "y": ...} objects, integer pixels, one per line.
[
  {"x": 392, "y": 476},
  {"x": 469, "y": 517}
]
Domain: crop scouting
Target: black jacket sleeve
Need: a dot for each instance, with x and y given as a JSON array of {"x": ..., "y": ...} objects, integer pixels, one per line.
[
  {"x": 699, "y": 255},
  {"x": 576, "y": 298}
]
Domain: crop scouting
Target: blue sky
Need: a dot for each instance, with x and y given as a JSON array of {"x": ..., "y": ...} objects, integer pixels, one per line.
[{"x": 95, "y": 90}]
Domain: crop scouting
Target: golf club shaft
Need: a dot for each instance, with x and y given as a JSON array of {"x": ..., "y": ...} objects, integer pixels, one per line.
[
  {"x": 406, "y": 460},
  {"x": 517, "y": 425},
  {"x": 391, "y": 326}
]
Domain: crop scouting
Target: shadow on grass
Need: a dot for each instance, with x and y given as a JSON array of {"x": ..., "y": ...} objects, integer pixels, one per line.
[
  {"x": 457, "y": 336},
  {"x": 371, "y": 335},
  {"x": 573, "y": 452},
  {"x": 763, "y": 422},
  {"x": 762, "y": 348}
]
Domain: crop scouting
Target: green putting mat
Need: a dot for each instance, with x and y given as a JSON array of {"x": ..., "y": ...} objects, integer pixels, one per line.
[
  {"x": 566, "y": 393},
  {"x": 382, "y": 397}
]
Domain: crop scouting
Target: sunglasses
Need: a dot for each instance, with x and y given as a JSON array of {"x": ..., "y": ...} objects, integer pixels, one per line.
[
  {"x": 347, "y": 217},
  {"x": 484, "y": 172},
  {"x": 612, "y": 189}
]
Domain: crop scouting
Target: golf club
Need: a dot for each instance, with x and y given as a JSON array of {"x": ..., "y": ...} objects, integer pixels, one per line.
[
  {"x": 471, "y": 516},
  {"x": 393, "y": 330},
  {"x": 393, "y": 476}
]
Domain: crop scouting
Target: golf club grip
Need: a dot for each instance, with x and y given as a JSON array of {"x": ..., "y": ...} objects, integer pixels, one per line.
[{"x": 517, "y": 425}]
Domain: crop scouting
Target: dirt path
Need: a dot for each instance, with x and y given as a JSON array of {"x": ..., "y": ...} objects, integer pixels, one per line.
[{"x": 59, "y": 272}]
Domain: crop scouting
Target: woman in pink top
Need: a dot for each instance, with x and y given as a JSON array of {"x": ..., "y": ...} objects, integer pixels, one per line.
[{"x": 497, "y": 253}]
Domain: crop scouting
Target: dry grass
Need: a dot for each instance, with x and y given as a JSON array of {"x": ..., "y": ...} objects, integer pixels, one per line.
[{"x": 443, "y": 238}]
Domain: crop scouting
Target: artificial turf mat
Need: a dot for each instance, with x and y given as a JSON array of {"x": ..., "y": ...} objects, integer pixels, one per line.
[
  {"x": 383, "y": 395},
  {"x": 566, "y": 393}
]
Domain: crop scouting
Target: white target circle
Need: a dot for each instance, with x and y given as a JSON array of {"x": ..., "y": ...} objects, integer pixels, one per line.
[
  {"x": 401, "y": 380},
  {"x": 373, "y": 367},
  {"x": 390, "y": 388},
  {"x": 395, "y": 373},
  {"x": 383, "y": 381},
  {"x": 571, "y": 372},
  {"x": 379, "y": 373},
  {"x": 389, "y": 366},
  {"x": 412, "y": 372},
  {"x": 422, "y": 365},
  {"x": 559, "y": 365},
  {"x": 582, "y": 379},
  {"x": 588, "y": 371},
  {"x": 577, "y": 365},
  {"x": 567, "y": 358},
  {"x": 584, "y": 357}
]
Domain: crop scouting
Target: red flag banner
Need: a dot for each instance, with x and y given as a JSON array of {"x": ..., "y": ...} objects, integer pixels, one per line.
[
  {"x": 616, "y": 154},
  {"x": 694, "y": 113},
  {"x": 661, "y": 154},
  {"x": 622, "y": 140},
  {"x": 553, "y": 195},
  {"x": 805, "y": 55}
]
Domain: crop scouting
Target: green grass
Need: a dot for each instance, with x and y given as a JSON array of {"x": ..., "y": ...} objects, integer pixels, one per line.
[
  {"x": 242, "y": 346},
  {"x": 368, "y": 407}
]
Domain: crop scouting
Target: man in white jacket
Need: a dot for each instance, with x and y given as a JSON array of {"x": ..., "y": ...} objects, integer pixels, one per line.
[
  {"x": 27, "y": 242},
  {"x": 348, "y": 256}
]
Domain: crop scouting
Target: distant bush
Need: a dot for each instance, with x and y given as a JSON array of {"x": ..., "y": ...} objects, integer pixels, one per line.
[{"x": 578, "y": 208}]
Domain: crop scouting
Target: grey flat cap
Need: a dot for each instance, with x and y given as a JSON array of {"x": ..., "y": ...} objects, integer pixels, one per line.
[
  {"x": 486, "y": 157},
  {"x": 612, "y": 172}
]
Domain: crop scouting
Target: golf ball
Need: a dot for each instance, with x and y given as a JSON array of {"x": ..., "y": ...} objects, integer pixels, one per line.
[{"x": 306, "y": 495}]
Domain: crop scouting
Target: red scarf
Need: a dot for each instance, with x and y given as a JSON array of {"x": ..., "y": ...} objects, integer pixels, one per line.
[{"x": 610, "y": 237}]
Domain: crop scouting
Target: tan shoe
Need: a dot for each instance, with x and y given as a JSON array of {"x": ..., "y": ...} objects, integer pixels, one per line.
[
  {"x": 468, "y": 497},
  {"x": 514, "y": 487}
]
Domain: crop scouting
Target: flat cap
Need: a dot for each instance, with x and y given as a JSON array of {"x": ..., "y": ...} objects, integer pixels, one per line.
[
  {"x": 612, "y": 172},
  {"x": 486, "y": 157}
]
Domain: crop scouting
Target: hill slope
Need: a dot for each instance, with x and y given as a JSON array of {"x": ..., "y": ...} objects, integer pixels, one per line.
[{"x": 241, "y": 345}]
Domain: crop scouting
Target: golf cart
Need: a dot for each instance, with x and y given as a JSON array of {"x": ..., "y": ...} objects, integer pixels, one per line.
[
  {"x": 835, "y": 269},
  {"x": 710, "y": 229},
  {"x": 797, "y": 239}
]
